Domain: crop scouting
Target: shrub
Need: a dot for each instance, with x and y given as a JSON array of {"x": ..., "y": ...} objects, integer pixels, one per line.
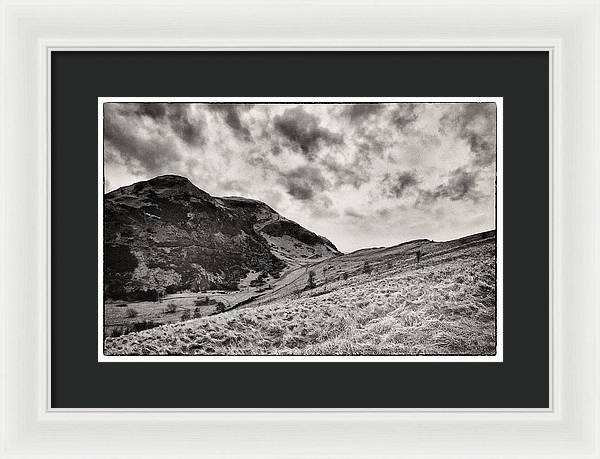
[
  {"x": 118, "y": 331},
  {"x": 130, "y": 313},
  {"x": 171, "y": 308},
  {"x": 310, "y": 282},
  {"x": 142, "y": 325},
  {"x": 344, "y": 276},
  {"x": 197, "y": 313},
  {"x": 220, "y": 307},
  {"x": 260, "y": 280},
  {"x": 389, "y": 265},
  {"x": 185, "y": 315},
  {"x": 201, "y": 301},
  {"x": 367, "y": 268}
]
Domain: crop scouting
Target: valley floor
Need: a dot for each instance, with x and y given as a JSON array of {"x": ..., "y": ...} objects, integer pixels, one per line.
[{"x": 446, "y": 304}]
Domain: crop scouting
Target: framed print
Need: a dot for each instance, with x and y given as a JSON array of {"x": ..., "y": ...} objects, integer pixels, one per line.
[
  {"x": 270, "y": 230},
  {"x": 233, "y": 278}
]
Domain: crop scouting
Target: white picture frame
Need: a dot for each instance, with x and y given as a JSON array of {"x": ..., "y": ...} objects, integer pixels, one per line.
[{"x": 568, "y": 29}]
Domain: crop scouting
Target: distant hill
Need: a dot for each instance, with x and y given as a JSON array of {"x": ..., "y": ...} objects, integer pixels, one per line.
[
  {"x": 394, "y": 258},
  {"x": 165, "y": 233}
]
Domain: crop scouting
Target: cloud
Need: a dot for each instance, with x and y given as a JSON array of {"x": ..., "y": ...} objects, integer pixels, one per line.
[
  {"x": 303, "y": 130},
  {"x": 190, "y": 131},
  {"x": 145, "y": 137},
  {"x": 358, "y": 112},
  {"x": 304, "y": 182},
  {"x": 354, "y": 173},
  {"x": 231, "y": 116},
  {"x": 131, "y": 144},
  {"x": 353, "y": 213},
  {"x": 151, "y": 110},
  {"x": 323, "y": 207},
  {"x": 177, "y": 117},
  {"x": 360, "y": 174},
  {"x": 476, "y": 124},
  {"x": 397, "y": 185},
  {"x": 461, "y": 185},
  {"x": 404, "y": 115}
]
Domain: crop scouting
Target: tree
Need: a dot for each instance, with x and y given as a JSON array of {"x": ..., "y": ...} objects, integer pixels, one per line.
[
  {"x": 310, "y": 282},
  {"x": 367, "y": 268}
]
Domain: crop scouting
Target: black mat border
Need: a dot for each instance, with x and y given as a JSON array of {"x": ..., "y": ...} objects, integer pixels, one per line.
[{"x": 79, "y": 381}]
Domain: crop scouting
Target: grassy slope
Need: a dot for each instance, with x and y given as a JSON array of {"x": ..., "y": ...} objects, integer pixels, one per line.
[{"x": 444, "y": 305}]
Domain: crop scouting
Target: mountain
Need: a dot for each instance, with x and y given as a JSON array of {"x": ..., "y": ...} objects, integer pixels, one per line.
[{"x": 167, "y": 234}]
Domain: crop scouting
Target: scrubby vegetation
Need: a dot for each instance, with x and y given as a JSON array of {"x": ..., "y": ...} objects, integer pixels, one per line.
[
  {"x": 133, "y": 327},
  {"x": 171, "y": 308}
]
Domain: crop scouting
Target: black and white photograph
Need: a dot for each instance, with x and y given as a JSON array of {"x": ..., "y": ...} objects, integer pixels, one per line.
[{"x": 300, "y": 228}]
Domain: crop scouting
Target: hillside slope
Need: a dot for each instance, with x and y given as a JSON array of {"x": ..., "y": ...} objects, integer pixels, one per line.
[
  {"x": 446, "y": 304},
  {"x": 378, "y": 259},
  {"x": 167, "y": 234}
]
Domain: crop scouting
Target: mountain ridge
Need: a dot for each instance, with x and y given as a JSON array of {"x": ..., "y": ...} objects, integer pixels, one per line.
[{"x": 166, "y": 234}]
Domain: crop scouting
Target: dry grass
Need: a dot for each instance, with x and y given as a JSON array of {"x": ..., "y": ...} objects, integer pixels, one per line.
[{"x": 445, "y": 305}]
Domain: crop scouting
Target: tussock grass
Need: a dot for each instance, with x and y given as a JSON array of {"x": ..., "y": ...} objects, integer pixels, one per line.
[{"x": 443, "y": 306}]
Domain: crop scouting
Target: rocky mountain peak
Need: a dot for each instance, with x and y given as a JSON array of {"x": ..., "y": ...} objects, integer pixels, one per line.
[{"x": 166, "y": 233}]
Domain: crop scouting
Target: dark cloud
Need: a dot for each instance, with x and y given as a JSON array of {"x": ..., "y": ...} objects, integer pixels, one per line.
[
  {"x": 461, "y": 186},
  {"x": 231, "y": 115},
  {"x": 182, "y": 125},
  {"x": 304, "y": 182},
  {"x": 123, "y": 143},
  {"x": 151, "y": 110},
  {"x": 303, "y": 130},
  {"x": 144, "y": 136},
  {"x": 372, "y": 144},
  {"x": 476, "y": 123},
  {"x": 397, "y": 185},
  {"x": 354, "y": 214},
  {"x": 355, "y": 173},
  {"x": 404, "y": 115},
  {"x": 176, "y": 116},
  {"x": 358, "y": 112}
]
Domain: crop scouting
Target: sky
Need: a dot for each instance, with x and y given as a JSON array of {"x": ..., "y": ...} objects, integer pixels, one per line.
[{"x": 362, "y": 175}]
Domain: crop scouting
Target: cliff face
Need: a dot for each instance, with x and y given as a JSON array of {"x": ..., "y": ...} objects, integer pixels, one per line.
[{"x": 167, "y": 234}]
